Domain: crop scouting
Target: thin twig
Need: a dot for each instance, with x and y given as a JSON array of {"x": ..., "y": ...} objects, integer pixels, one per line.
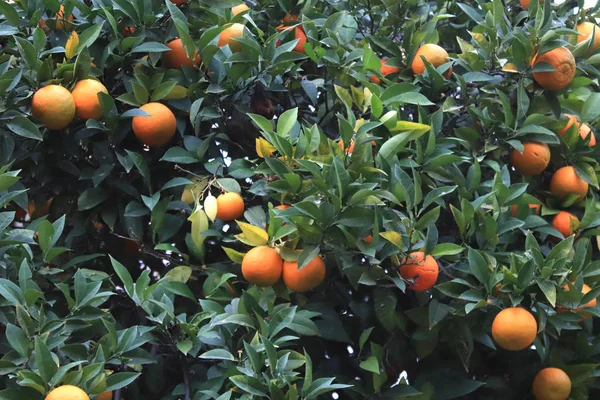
[
  {"x": 186, "y": 382},
  {"x": 117, "y": 395}
]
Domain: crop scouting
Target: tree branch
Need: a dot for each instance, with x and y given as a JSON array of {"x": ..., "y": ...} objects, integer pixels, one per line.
[{"x": 186, "y": 382}]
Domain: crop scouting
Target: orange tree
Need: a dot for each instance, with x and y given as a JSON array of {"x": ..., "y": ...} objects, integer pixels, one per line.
[{"x": 367, "y": 199}]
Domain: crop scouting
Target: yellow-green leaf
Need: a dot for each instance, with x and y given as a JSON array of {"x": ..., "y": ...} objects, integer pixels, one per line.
[
  {"x": 392, "y": 237},
  {"x": 72, "y": 45},
  {"x": 178, "y": 92},
  {"x": 200, "y": 223},
  {"x": 404, "y": 126},
  {"x": 181, "y": 273},
  {"x": 210, "y": 207},
  {"x": 252, "y": 235},
  {"x": 234, "y": 255}
]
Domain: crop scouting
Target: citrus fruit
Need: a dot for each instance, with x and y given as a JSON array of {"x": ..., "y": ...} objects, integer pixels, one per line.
[
  {"x": 36, "y": 210},
  {"x": 157, "y": 128},
  {"x": 53, "y": 106},
  {"x": 228, "y": 36},
  {"x": 290, "y": 18},
  {"x": 282, "y": 207},
  {"x": 230, "y": 206},
  {"x": 533, "y": 160},
  {"x": 525, "y": 3},
  {"x": 592, "y": 303},
  {"x": 563, "y": 222},
  {"x": 299, "y": 34},
  {"x": 434, "y": 54},
  {"x": 533, "y": 206},
  {"x": 239, "y": 9},
  {"x": 196, "y": 187},
  {"x": 177, "y": 58},
  {"x": 105, "y": 396},
  {"x": 368, "y": 239},
  {"x": 179, "y": 2},
  {"x": 67, "y": 392},
  {"x": 385, "y": 71},
  {"x": 307, "y": 278},
  {"x": 350, "y": 148},
  {"x": 563, "y": 62},
  {"x": 128, "y": 31},
  {"x": 571, "y": 119},
  {"x": 85, "y": 95},
  {"x": 59, "y": 23},
  {"x": 514, "y": 329},
  {"x": 584, "y": 131},
  {"x": 423, "y": 270},
  {"x": 565, "y": 181},
  {"x": 262, "y": 266},
  {"x": 585, "y": 30},
  {"x": 551, "y": 384}
]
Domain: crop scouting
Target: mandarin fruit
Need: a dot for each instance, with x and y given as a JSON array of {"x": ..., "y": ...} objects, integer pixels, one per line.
[
  {"x": 307, "y": 278},
  {"x": 551, "y": 384},
  {"x": 177, "y": 58},
  {"x": 67, "y": 392},
  {"x": 239, "y": 9},
  {"x": 53, "y": 106},
  {"x": 157, "y": 128},
  {"x": 434, "y": 54},
  {"x": 585, "y": 289},
  {"x": 585, "y": 30},
  {"x": 563, "y": 222},
  {"x": 563, "y": 62},
  {"x": 533, "y": 160},
  {"x": 262, "y": 266},
  {"x": 571, "y": 120},
  {"x": 525, "y": 3},
  {"x": 59, "y": 23},
  {"x": 299, "y": 34},
  {"x": 228, "y": 36},
  {"x": 532, "y": 206},
  {"x": 421, "y": 269},
  {"x": 584, "y": 131},
  {"x": 85, "y": 95},
  {"x": 230, "y": 206},
  {"x": 385, "y": 71},
  {"x": 514, "y": 329},
  {"x": 565, "y": 181}
]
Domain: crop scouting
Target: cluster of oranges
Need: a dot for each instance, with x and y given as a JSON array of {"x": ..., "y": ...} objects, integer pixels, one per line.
[
  {"x": 263, "y": 266},
  {"x": 70, "y": 392}
]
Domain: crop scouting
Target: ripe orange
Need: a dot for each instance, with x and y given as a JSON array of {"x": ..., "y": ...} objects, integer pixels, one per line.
[
  {"x": 239, "y": 9},
  {"x": 423, "y": 270},
  {"x": 534, "y": 159},
  {"x": 533, "y": 206},
  {"x": 307, "y": 278},
  {"x": 584, "y": 131},
  {"x": 58, "y": 23},
  {"x": 434, "y": 54},
  {"x": 514, "y": 329},
  {"x": 230, "y": 206},
  {"x": 525, "y": 3},
  {"x": 592, "y": 303},
  {"x": 350, "y": 148},
  {"x": 563, "y": 61},
  {"x": 565, "y": 181},
  {"x": 105, "y": 396},
  {"x": 290, "y": 18},
  {"x": 570, "y": 121},
  {"x": 551, "y": 384},
  {"x": 156, "y": 129},
  {"x": 299, "y": 34},
  {"x": 67, "y": 392},
  {"x": 262, "y": 266},
  {"x": 179, "y": 2},
  {"x": 85, "y": 95},
  {"x": 385, "y": 71},
  {"x": 53, "y": 106},
  {"x": 562, "y": 223},
  {"x": 177, "y": 57},
  {"x": 228, "y": 35},
  {"x": 282, "y": 207},
  {"x": 585, "y": 31},
  {"x": 128, "y": 31},
  {"x": 368, "y": 239}
]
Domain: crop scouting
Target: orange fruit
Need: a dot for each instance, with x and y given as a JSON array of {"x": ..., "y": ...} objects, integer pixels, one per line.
[
  {"x": 53, "y": 106},
  {"x": 592, "y": 303},
  {"x": 228, "y": 35},
  {"x": 565, "y": 181},
  {"x": 525, "y": 3},
  {"x": 36, "y": 211},
  {"x": 156, "y": 129},
  {"x": 128, "y": 31},
  {"x": 422, "y": 269},
  {"x": 562, "y": 223},
  {"x": 262, "y": 266},
  {"x": 282, "y": 207},
  {"x": 533, "y": 160},
  {"x": 177, "y": 57},
  {"x": 385, "y": 71},
  {"x": 585, "y": 31},
  {"x": 350, "y": 148},
  {"x": 230, "y": 206},
  {"x": 59, "y": 23},
  {"x": 307, "y": 278},
  {"x": 570, "y": 121},
  {"x": 179, "y": 2},
  {"x": 434, "y": 54},
  {"x": 551, "y": 384},
  {"x": 533, "y": 206},
  {"x": 584, "y": 131},
  {"x": 514, "y": 329},
  {"x": 105, "y": 396},
  {"x": 299, "y": 34},
  {"x": 368, "y": 239},
  {"x": 563, "y": 61},
  {"x": 290, "y": 18},
  {"x": 239, "y": 9},
  {"x": 67, "y": 392},
  {"x": 85, "y": 95}
]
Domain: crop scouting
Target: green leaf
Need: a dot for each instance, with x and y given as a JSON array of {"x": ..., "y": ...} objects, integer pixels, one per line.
[
  {"x": 23, "y": 127},
  {"x": 371, "y": 364},
  {"x": 218, "y": 354},
  {"x": 150, "y": 47},
  {"x": 124, "y": 275},
  {"x": 249, "y": 385},
  {"x": 447, "y": 249},
  {"x": 44, "y": 361},
  {"x": 17, "y": 340},
  {"x": 89, "y": 36},
  {"x": 91, "y": 198},
  {"x": 120, "y": 380},
  {"x": 286, "y": 121},
  {"x": 478, "y": 266}
]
